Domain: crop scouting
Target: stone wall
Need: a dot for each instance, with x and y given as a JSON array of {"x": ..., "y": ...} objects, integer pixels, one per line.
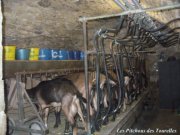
[
  {"x": 2, "y": 102},
  {"x": 54, "y": 23},
  {"x": 163, "y": 17},
  {"x": 47, "y": 23}
]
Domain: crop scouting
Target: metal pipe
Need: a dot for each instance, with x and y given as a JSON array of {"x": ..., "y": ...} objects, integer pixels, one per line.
[
  {"x": 145, "y": 51},
  {"x": 137, "y": 4},
  {"x": 165, "y": 25},
  {"x": 86, "y": 76},
  {"x": 34, "y": 109},
  {"x": 168, "y": 7},
  {"x": 97, "y": 75},
  {"x": 129, "y": 4},
  {"x": 178, "y": 41},
  {"x": 118, "y": 78},
  {"x": 107, "y": 77},
  {"x": 120, "y": 73},
  {"x": 21, "y": 114},
  {"x": 120, "y": 5},
  {"x": 168, "y": 32}
]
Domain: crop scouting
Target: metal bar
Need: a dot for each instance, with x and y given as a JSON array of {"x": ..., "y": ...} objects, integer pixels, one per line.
[
  {"x": 107, "y": 77},
  {"x": 23, "y": 128},
  {"x": 50, "y": 71},
  {"x": 145, "y": 51},
  {"x": 120, "y": 5},
  {"x": 85, "y": 19},
  {"x": 29, "y": 119},
  {"x": 178, "y": 42},
  {"x": 136, "y": 4},
  {"x": 34, "y": 109},
  {"x": 86, "y": 76},
  {"x": 20, "y": 99},
  {"x": 118, "y": 78}
]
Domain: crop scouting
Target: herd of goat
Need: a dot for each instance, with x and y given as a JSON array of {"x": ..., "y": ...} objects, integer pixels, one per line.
[
  {"x": 68, "y": 93},
  {"x": 110, "y": 90},
  {"x": 113, "y": 89}
]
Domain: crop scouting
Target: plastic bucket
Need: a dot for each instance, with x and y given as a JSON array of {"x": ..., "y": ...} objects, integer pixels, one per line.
[
  {"x": 71, "y": 55},
  {"x": 22, "y": 54},
  {"x": 45, "y": 54},
  {"x": 34, "y": 54},
  {"x": 63, "y": 55},
  {"x": 54, "y": 54},
  {"x": 9, "y": 52},
  {"x": 81, "y": 55},
  {"x": 77, "y": 55}
]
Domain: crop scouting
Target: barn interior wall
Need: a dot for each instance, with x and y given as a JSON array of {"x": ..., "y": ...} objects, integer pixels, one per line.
[
  {"x": 54, "y": 24},
  {"x": 45, "y": 23},
  {"x": 2, "y": 102},
  {"x": 162, "y": 17}
]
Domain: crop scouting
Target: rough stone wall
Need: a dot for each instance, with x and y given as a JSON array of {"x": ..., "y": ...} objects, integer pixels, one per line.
[
  {"x": 2, "y": 104},
  {"x": 51, "y": 23},
  {"x": 163, "y": 17},
  {"x": 54, "y": 23}
]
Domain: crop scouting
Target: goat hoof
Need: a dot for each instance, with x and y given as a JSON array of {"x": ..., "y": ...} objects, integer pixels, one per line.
[
  {"x": 113, "y": 119},
  {"x": 92, "y": 129},
  {"x": 97, "y": 127},
  {"x": 56, "y": 126},
  {"x": 105, "y": 122}
]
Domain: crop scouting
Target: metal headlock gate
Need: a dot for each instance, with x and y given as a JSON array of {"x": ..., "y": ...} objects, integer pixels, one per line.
[{"x": 141, "y": 33}]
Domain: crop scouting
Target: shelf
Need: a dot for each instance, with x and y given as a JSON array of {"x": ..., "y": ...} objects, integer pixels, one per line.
[{"x": 12, "y": 67}]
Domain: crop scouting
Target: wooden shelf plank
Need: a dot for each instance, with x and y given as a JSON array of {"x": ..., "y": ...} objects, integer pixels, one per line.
[{"x": 12, "y": 67}]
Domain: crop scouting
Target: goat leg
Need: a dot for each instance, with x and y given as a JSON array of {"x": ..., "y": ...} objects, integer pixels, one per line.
[
  {"x": 57, "y": 115},
  {"x": 66, "y": 129}
]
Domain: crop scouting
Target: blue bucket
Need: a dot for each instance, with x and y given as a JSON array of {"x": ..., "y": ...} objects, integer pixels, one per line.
[
  {"x": 44, "y": 54},
  {"x": 63, "y": 55},
  {"x": 77, "y": 55},
  {"x": 22, "y": 54},
  {"x": 82, "y": 56},
  {"x": 54, "y": 54},
  {"x": 71, "y": 55}
]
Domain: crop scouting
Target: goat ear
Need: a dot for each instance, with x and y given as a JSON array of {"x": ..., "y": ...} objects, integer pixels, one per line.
[
  {"x": 93, "y": 81},
  {"x": 126, "y": 80}
]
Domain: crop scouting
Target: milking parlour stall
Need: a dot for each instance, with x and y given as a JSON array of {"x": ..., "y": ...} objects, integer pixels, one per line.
[{"x": 82, "y": 67}]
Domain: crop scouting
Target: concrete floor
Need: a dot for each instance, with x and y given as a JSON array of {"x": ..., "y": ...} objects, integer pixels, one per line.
[
  {"x": 156, "y": 120},
  {"x": 152, "y": 119}
]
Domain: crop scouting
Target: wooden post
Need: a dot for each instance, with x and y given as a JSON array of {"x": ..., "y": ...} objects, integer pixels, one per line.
[{"x": 2, "y": 103}]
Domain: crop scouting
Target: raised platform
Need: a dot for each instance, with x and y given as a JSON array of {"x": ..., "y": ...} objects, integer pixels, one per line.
[{"x": 125, "y": 119}]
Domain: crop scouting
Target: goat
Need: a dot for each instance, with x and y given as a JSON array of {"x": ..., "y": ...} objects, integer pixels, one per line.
[{"x": 59, "y": 93}]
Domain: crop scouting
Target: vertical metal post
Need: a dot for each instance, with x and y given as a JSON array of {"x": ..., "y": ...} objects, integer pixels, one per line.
[
  {"x": 178, "y": 45},
  {"x": 85, "y": 38},
  {"x": 20, "y": 99}
]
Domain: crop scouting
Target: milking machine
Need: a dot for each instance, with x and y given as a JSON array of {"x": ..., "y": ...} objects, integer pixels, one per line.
[
  {"x": 101, "y": 36},
  {"x": 139, "y": 33},
  {"x": 118, "y": 67},
  {"x": 102, "y": 114}
]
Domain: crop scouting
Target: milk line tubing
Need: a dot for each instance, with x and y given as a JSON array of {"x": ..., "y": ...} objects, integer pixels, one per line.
[{"x": 134, "y": 30}]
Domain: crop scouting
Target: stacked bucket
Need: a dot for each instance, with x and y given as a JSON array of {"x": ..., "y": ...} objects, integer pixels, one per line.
[{"x": 33, "y": 54}]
